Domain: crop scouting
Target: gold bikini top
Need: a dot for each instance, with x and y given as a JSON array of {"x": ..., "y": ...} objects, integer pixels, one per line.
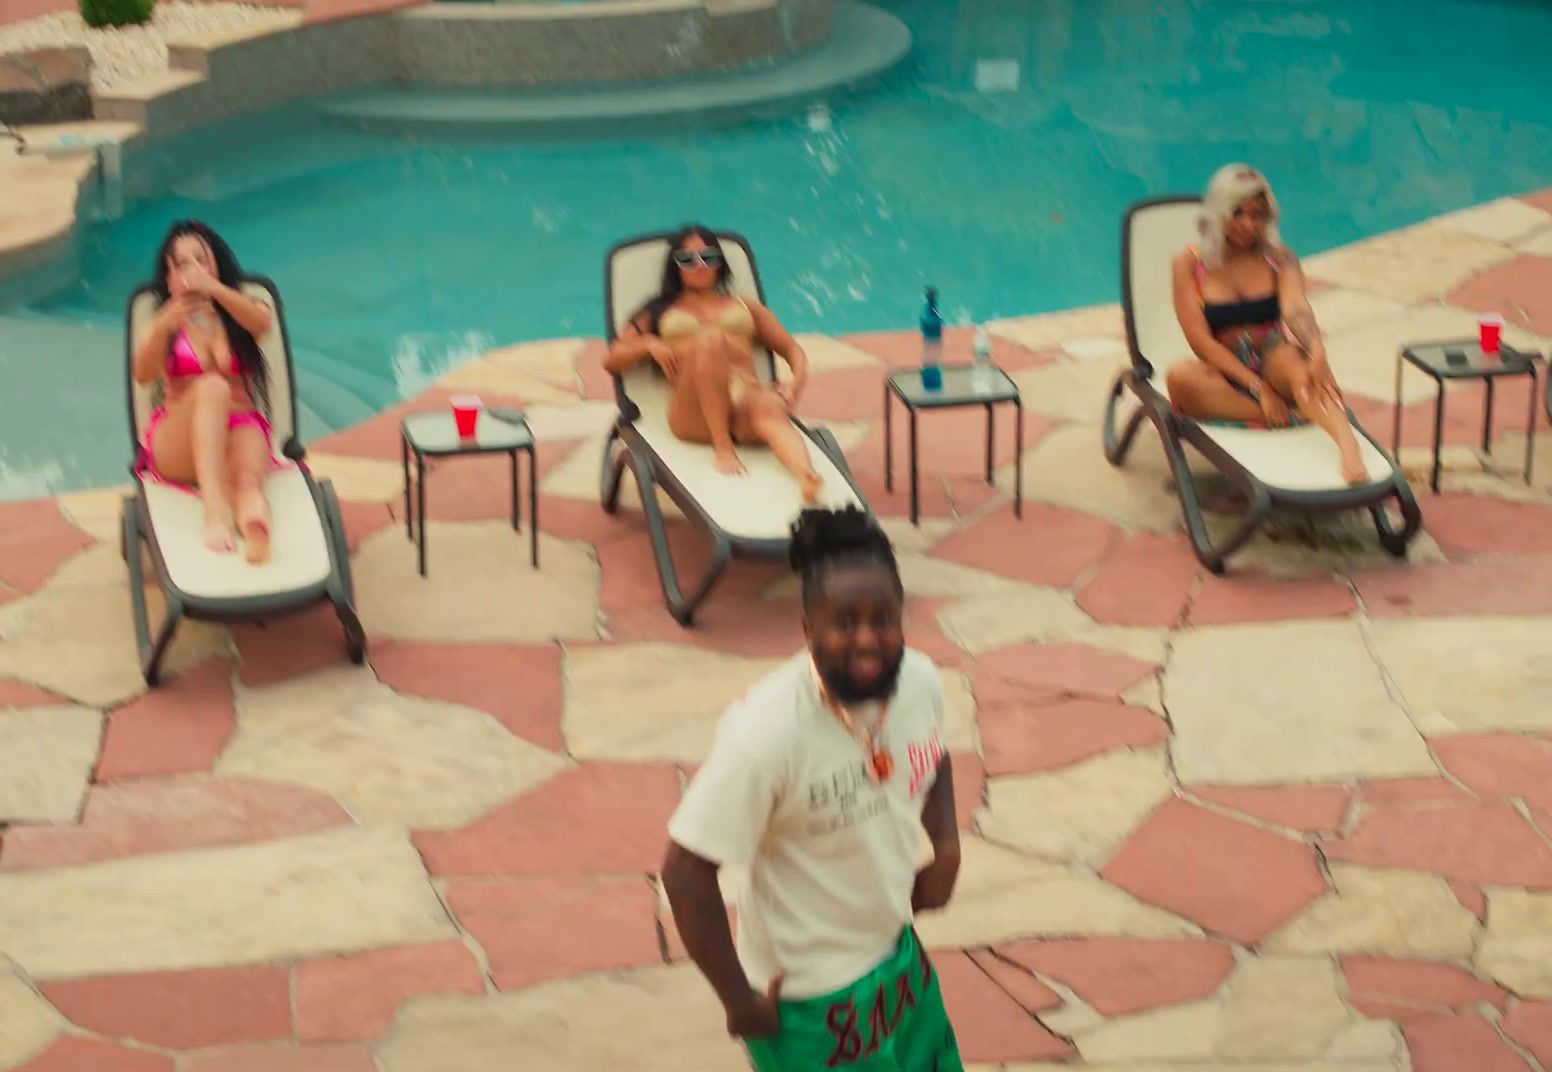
[{"x": 735, "y": 319}]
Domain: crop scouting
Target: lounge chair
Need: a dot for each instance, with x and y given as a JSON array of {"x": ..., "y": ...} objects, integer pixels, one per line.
[
  {"x": 745, "y": 516},
  {"x": 1295, "y": 468},
  {"x": 309, "y": 562}
]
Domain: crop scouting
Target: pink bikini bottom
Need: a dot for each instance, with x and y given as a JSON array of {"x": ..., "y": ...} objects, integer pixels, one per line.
[{"x": 145, "y": 464}]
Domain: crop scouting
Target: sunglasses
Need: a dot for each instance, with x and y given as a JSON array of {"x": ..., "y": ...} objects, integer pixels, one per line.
[{"x": 689, "y": 258}]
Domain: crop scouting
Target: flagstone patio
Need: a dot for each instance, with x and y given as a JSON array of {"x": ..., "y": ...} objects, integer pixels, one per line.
[{"x": 1292, "y": 819}]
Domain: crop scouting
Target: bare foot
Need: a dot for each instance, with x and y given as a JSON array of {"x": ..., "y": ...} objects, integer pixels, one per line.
[
  {"x": 728, "y": 463},
  {"x": 809, "y": 487},
  {"x": 1354, "y": 471},
  {"x": 255, "y": 532},
  {"x": 219, "y": 535}
]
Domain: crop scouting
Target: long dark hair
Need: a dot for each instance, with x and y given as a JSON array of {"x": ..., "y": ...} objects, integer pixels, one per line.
[
  {"x": 822, "y": 539},
  {"x": 673, "y": 283},
  {"x": 250, "y": 359}
]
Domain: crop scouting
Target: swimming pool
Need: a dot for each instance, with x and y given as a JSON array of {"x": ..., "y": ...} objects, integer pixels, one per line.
[{"x": 995, "y": 164}]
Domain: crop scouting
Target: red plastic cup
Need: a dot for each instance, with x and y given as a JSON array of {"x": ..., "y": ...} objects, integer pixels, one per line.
[
  {"x": 466, "y": 414},
  {"x": 1490, "y": 332}
]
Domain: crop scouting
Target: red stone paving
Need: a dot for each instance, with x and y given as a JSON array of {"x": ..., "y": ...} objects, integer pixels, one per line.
[
  {"x": 178, "y": 728},
  {"x": 1400, "y": 1012},
  {"x": 990, "y": 1025},
  {"x": 181, "y": 1010},
  {"x": 1146, "y": 580},
  {"x": 923, "y": 632},
  {"x": 1023, "y": 739},
  {"x": 577, "y": 519},
  {"x": 1310, "y": 808},
  {"x": 1520, "y": 289},
  {"x": 1541, "y": 199},
  {"x": 1418, "y": 982},
  {"x": 331, "y": 1058},
  {"x": 1477, "y": 524},
  {"x": 1249, "y": 597},
  {"x": 596, "y": 819},
  {"x": 1049, "y": 546},
  {"x": 1530, "y": 1024},
  {"x": 969, "y": 787},
  {"x": 480, "y": 489},
  {"x": 1067, "y": 668},
  {"x": 554, "y": 928},
  {"x": 1226, "y": 876},
  {"x": 1029, "y": 993},
  {"x": 15, "y": 693},
  {"x": 1408, "y": 792},
  {"x": 378, "y": 437},
  {"x": 1499, "y": 764},
  {"x": 950, "y": 442},
  {"x": 750, "y": 627},
  {"x": 1120, "y": 976},
  {"x": 597, "y": 385},
  {"x": 937, "y": 498},
  {"x": 35, "y": 540},
  {"x": 850, "y": 394},
  {"x": 1458, "y": 1044},
  {"x": 364, "y": 520},
  {"x": 354, "y": 998},
  {"x": 1519, "y": 585},
  {"x": 629, "y": 570},
  {"x": 290, "y": 647},
  {"x": 902, "y": 349},
  {"x": 1470, "y": 897},
  {"x": 518, "y": 685},
  {"x": 1488, "y": 844},
  {"x": 142, "y": 817},
  {"x": 68, "y": 1054}
]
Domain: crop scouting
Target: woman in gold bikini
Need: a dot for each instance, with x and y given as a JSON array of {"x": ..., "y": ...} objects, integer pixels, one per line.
[{"x": 702, "y": 337}]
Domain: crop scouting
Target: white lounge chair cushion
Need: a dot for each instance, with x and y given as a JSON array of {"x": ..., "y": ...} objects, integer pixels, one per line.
[
  {"x": 299, "y": 547},
  {"x": 762, "y": 503},
  {"x": 1298, "y": 459}
]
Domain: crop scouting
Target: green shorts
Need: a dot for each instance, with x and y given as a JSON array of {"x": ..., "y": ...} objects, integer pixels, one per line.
[{"x": 890, "y": 1020}]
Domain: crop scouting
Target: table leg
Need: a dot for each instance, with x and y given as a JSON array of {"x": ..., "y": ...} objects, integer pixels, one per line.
[
  {"x": 915, "y": 484},
  {"x": 1487, "y": 420},
  {"x": 1395, "y": 432},
  {"x": 889, "y": 442},
  {"x": 1439, "y": 432},
  {"x": 512, "y": 457},
  {"x": 420, "y": 507},
  {"x": 404, "y": 462},
  {"x": 1018, "y": 458},
  {"x": 1530, "y": 425},
  {"x": 991, "y": 434},
  {"x": 533, "y": 507}
]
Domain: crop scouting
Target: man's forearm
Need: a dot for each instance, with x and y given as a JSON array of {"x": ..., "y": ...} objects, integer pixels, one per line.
[
  {"x": 701, "y": 917},
  {"x": 935, "y": 883}
]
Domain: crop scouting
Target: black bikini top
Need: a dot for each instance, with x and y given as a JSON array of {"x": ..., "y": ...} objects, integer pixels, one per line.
[{"x": 1245, "y": 313}]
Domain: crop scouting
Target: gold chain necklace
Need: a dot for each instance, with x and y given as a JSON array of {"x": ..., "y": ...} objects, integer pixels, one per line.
[{"x": 880, "y": 763}]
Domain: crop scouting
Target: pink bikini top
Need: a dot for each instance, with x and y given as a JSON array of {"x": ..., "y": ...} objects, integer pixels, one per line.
[{"x": 183, "y": 361}]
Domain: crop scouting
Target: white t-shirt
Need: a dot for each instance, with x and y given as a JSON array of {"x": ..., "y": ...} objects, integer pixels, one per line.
[{"x": 832, "y": 855}]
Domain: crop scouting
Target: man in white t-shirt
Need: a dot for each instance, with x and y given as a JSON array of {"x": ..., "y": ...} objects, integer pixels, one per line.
[{"x": 822, "y": 779}]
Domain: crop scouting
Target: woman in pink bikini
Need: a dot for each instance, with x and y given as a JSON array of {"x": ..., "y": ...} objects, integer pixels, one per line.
[{"x": 208, "y": 433}]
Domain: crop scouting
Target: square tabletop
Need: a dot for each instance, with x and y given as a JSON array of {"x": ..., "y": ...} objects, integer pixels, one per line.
[
  {"x": 1431, "y": 358},
  {"x": 960, "y": 387},
  {"x": 496, "y": 430}
]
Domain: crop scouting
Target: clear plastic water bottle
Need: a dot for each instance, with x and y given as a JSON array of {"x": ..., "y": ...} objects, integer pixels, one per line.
[
  {"x": 932, "y": 343},
  {"x": 981, "y": 378}
]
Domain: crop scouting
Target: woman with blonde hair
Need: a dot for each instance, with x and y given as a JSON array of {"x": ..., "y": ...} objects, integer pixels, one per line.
[{"x": 1240, "y": 297}]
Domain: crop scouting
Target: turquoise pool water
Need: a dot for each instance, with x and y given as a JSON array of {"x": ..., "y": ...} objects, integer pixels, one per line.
[{"x": 994, "y": 164}]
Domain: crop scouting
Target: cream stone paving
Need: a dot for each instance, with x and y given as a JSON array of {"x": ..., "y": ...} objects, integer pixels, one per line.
[
  {"x": 75, "y": 637},
  {"x": 386, "y": 758},
  {"x": 1100, "y": 349},
  {"x": 1539, "y": 243},
  {"x": 1381, "y": 911},
  {"x": 651, "y": 701},
  {"x": 1291, "y": 545},
  {"x": 347, "y": 889},
  {"x": 1078, "y": 814},
  {"x": 981, "y": 623},
  {"x": 27, "y": 1022},
  {"x": 1506, "y": 220},
  {"x": 827, "y": 354},
  {"x": 1052, "y": 329},
  {"x": 653, "y": 1020},
  {"x": 536, "y": 372},
  {"x": 479, "y": 586},
  {"x": 1447, "y": 675},
  {"x": 1068, "y": 389},
  {"x": 1003, "y": 895},
  {"x": 1516, "y": 950},
  {"x": 577, "y": 478},
  {"x": 1067, "y": 469},
  {"x": 97, "y": 512},
  {"x": 915, "y": 539},
  {"x": 578, "y": 420},
  {"x": 359, "y": 479},
  {"x": 1339, "y": 309},
  {"x": 926, "y": 577},
  {"x": 46, "y": 760},
  {"x": 1411, "y": 265},
  {"x": 1285, "y": 702}
]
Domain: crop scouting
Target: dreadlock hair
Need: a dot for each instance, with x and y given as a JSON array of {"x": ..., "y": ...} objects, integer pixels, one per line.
[{"x": 822, "y": 539}]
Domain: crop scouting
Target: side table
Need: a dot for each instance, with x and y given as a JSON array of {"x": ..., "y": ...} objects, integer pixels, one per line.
[
  {"x": 961, "y": 387},
  {"x": 1470, "y": 364},
  {"x": 499, "y": 431}
]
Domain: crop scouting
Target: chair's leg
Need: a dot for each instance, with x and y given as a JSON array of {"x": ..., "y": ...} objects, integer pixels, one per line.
[
  {"x": 355, "y": 633},
  {"x": 151, "y": 650},
  {"x": 611, "y": 471},
  {"x": 341, "y": 588},
  {"x": 680, "y": 606},
  {"x": 832, "y": 448},
  {"x": 1117, "y": 446},
  {"x": 1210, "y": 555},
  {"x": 1393, "y": 539}
]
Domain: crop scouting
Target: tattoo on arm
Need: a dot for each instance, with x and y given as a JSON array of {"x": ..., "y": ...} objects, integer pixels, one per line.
[{"x": 1301, "y": 322}]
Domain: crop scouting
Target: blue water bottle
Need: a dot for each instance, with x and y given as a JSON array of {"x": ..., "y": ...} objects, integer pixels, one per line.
[{"x": 932, "y": 343}]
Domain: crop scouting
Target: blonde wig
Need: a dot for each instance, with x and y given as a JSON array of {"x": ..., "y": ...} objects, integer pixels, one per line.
[{"x": 1230, "y": 186}]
